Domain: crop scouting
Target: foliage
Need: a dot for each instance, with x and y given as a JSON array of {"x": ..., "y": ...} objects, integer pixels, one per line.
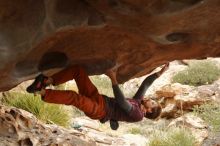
[
  {"x": 61, "y": 87},
  {"x": 126, "y": 91},
  {"x": 70, "y": 85},
  {"x": 56, "y": 114},
  {"x": 135, "y": 130},
  {"x": 209, "y": 112},
  {"x": 198, "y": 73},
  {"x": 49, "y": 113},
  {"x": 172, "y": 137},
  {"x": 103, "y": 84}
]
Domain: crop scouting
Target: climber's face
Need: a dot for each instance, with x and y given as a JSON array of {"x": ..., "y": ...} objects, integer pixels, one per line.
[
  {"x": 150, "y": 108},
  {"x": 147, "y": 105}
]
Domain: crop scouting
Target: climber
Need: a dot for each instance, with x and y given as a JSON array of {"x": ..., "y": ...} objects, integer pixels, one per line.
[{"x": 95, "y": 105}]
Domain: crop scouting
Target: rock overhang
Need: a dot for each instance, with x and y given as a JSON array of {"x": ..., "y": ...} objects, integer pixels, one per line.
[{"x": 136, "y": 36}]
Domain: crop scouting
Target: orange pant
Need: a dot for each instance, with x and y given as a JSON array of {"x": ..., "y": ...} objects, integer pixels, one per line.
[{"x": 88, "y": 99}]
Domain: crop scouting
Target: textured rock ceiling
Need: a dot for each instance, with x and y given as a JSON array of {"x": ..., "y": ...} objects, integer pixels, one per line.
[{"x": 136, "y": 35}]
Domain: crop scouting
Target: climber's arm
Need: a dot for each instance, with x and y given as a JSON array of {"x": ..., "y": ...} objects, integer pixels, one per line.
[
  {"x": 148, "y": 81},
  {"x": 119, "y": 96}
]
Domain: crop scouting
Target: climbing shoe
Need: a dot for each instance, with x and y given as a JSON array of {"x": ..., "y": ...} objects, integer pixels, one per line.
[
  {"x": 38, "y": 84},
  {"x": 114, "y": 124}
]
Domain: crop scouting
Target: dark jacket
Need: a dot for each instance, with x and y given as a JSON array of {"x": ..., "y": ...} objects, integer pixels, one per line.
[{"x": 124, "y": 109}]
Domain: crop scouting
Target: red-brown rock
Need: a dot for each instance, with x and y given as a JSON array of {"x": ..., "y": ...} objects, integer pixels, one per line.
[{"x": 137, "y": 36}]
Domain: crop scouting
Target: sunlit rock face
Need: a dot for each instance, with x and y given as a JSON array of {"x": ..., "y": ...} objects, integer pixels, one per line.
[{"x": 135, "y": 36}]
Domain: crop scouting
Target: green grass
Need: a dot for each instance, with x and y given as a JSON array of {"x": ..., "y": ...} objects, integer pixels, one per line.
[
  {"x": 103, "y": 85},
  {"x": 198, "y": 73},
  {"x": 66, "y": 86},
  {"x": 210, "y": 113},
  {"x": 135, "y": 130},
  {"x": 48, "y": 113},
  {"x": 172, "y": 137}
]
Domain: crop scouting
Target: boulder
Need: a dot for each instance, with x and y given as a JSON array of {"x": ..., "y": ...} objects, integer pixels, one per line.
[
  {"x": 207, "y": 90},
  {"x": 177, "y": 99},
  {"x": 21, "y": 128},
  {"x": 169, "y": 111},
  {"x": 135, "y": 139},
  {"x": 85, "y": 122},
  {"x": 134, "y": 36},
  {"x": 18, "y": 127}
]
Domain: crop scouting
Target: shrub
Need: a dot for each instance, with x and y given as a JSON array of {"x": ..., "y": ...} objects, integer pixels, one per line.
[
  {"x": 172, "y": 137},
  {"x": 103, "y": 84},
  {"x": 49, "y": 113},
  {"x": 198, "y": 73},
  {"x": 56, "y": 114},
  {"x": 209, "y": 112}
]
